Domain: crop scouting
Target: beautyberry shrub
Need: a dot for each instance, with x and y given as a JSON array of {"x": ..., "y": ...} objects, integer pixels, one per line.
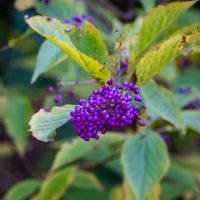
[{"x": 113, "y": 106}]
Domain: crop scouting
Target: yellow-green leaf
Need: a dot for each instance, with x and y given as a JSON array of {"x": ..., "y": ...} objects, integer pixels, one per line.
[
  {"x": 87, "y": 180},
  {"x": 164, "y": 53},
  {"x": 55, "y": 32},
  {"x": 22, "y": 190},
  {"x": 77, "y": 148},
  {"x": 159, "y": 19},
  {"x": 154, "y": 24},
  {"x": 56, "y": 185}
]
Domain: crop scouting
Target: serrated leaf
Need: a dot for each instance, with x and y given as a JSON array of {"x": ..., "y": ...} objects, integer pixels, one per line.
[
  {"x": 163, "y": 103},
  {"x": 55, "y": 32},
  {"x": 44, "y": 123},
  {"x": 159, "y": 20},
  {"x": 16, "y": 126},
  {"x": 22, "y": 190},
  {"x": 152, "y": 62},
  {"x": 49, "y": 55},
  {"x": 154, "y": 24},
  {"x": 60, "y": 9},
  {"x": 192, "y": 119},
  {"x": 77, "y": 148},
  {"x": 145, "y": 161},
  {"x": 56, "y": 185},
  {"x": 87, "y": 180}
]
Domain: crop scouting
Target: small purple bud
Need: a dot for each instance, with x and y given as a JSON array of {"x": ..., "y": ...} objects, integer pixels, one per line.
[
  {"x": 90, "y": 19},
  {"x": 72, "y": 93},
  {"x": 26, "y": 17},
  {"x": 149, "y": 117},
  {"x": 57, "y": 98},
  {"x": 166, "y": 138},
  {"x": 65, "y": 21},
  {"x": 142, "y": 123},
  {"x": 124, "y": 65},
  {"x": 50, "y": 89},
  {"x": 184, "y": 89},
  {"x": 144, "y": 107},
  {"x": 77, "y": 19},
  {"x": 46, "y": 1}
]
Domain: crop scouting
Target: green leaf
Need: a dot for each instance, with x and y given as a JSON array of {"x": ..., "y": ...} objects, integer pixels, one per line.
[
  {"x": 148, "y": 5},
  {"x": 181, "y": 176},
  {"x": 60, "y": 9},
  {"x": 152, "y": 62},
  {"x": 87, "y": 180},
  {"x": 55, "y": 32},
  {"x": 17, "y": 113},
  {"x": 171, "y": 191},
  {"x": 145, "y": 161},
  {"x": 48, "y": 56},
  {"x": 56, "y": 185},
  {"x": 77, "y": 148},
  {"x": 159, "y": 19},
  {"x": 163, "y": 103},
  {"x": 22, "y": 190},
  {"x": 192, "y": 119},
  {"x": 44, "y": 123},
  {"x": 90, "y": 42}
]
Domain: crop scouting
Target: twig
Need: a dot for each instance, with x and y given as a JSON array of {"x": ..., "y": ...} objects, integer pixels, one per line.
[{"x": 77, "y": 82}]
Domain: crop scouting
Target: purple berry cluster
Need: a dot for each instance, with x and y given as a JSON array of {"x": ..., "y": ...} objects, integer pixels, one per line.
[{"x": 107, "y": 108}]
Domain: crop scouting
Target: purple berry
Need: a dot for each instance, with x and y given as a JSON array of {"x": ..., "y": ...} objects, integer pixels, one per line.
[
  {"x": 110, "y": 81},
  {"x": 138, "y": 98},
  {"x": 142, "y": 123}
]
